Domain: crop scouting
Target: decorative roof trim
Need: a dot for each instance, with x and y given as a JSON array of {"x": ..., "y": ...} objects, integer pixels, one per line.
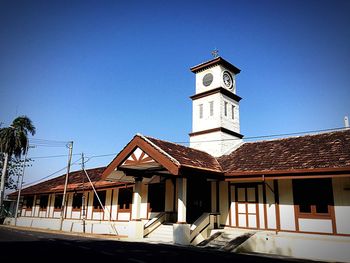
[
  {"x": 159, "y": 149},
  {"x": 167, "y": 161},
  {"x": 289, "y": 172},
  {"x": 217, "y": 90},
  {"x": 214, "y": 62},
  {"x": 219, "y": 129}
]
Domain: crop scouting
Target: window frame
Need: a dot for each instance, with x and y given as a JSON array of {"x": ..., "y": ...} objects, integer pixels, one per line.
[
  {"x": 124, "y": 208},
  {"x": 75, "y": 197},
  {"x": 25, "y": 202},
  {"x": 201, "y": 111},
  {"x": 313, "y": 214},
  {"x": 43, "y": 205},
  {"x": 233, "y": 112},
  {"x": 98, "y": 208},
  {"x": 60, "y": 205},
  {"x": 211, "y": 108}
]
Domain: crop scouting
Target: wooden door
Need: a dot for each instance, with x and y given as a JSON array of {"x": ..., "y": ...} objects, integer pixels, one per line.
[{"x": 247, "y": 214}]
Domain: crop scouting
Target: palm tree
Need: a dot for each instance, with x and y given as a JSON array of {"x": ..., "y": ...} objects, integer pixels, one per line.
[{"x": 14, "y": 141}]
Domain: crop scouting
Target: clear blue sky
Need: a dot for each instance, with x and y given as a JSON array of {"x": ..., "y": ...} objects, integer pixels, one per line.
[{"x": 97, "y": 72}]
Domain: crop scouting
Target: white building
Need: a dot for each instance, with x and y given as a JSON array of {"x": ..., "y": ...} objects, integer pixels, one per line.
[{"x": 292, "y": 194}]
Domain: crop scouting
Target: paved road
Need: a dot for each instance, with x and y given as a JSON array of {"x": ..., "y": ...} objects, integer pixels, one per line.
[{"x": 31, "y": 246}]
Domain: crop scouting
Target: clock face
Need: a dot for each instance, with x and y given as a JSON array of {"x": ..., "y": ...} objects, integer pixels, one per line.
[
  {"x": 208, "y": 79},
  {"x": 227, "y": 78}
]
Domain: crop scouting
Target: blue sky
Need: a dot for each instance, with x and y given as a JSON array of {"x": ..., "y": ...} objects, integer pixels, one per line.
[{"x": 97, "y": 72}]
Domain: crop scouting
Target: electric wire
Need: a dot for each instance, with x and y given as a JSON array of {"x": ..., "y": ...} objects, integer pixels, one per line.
[
  {"x": 267, "y": 136},
  {"x": 52, "y": 174}
]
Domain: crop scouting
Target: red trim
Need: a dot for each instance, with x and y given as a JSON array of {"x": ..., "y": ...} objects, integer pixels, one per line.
[{"x": 289, "y": 172}]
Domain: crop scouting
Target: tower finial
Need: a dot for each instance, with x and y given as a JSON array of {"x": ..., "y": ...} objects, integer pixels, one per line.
[{"x": 215, "y": 53}]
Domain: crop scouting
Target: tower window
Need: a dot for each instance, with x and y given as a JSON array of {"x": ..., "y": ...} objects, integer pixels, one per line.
[
  {"x": 233, "y": 112},
  {"x": 225, "y": 108},
  {"x": 211, "y": 107},
  {"x": 201, "y": 111}
]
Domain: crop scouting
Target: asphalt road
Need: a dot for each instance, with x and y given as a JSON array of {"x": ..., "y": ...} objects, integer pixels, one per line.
[{"x": 32, "y": 246}]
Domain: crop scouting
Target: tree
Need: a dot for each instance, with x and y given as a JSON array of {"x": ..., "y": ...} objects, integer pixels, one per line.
[
  {"x": 14, "y": 169},
  {"x": 14, "y": 142}
]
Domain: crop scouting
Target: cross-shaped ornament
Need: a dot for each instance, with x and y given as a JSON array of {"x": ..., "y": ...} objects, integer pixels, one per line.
[{"x": 215, "y": 53}]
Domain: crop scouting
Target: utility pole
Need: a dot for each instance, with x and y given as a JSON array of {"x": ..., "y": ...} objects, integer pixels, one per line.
[
  {"x": 20, "y": 184},
  {"x": 70, "y": 147},
  {"x": 3, "y": 177},
  {"x": 83, "y": 196}
]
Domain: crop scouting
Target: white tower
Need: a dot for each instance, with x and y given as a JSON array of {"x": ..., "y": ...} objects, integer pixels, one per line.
[{"x": 215, "y": 108}]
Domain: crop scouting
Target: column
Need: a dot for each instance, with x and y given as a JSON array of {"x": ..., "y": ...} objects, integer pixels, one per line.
[
  {"x": 181, "y": 228},
  {"x": 182, "y": 198},
  {"x": 136, "y": 225},
  {"x": 136, "y": 200},
  {"x": 169, "y": 195}
]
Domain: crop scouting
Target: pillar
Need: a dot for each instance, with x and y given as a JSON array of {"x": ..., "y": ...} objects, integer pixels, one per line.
[
  {"x": 169, "y": 196},
  {"x": 136, "y": 225},
  {"x": 181, "y": 202},
  {"x": 181, "y": 228}
]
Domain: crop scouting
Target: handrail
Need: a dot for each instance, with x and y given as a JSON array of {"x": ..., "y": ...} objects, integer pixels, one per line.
[
  {"x": 153, "y": 223},
  {"x": 205, "y": 221}
]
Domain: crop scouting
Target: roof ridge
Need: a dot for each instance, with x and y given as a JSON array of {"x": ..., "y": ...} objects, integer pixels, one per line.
[
  {"x": 158, "y": 148},
  {"x": 298, "y": 136}
]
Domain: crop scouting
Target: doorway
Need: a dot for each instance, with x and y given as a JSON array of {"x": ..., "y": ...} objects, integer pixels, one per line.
[
  {"x": 198, "y": 198},
  {"x": 156, "y": 197}
]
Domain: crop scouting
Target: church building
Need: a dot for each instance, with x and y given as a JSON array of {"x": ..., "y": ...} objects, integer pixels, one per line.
[{"x": 287, "y": 196}]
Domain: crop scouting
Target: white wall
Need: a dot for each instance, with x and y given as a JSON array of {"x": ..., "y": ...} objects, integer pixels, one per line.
[
  {"x": 286, "y": 206},
  {"x": 217, "y": 79},
  {"x": 270, "y": 206},
  {"x": 233, "y": 206},
  {"x": 223, "y": 193},
  {"x": 341, "y": 193},
  {"x": 209, "y": 143},
  {"x": 262, "y": 223}
]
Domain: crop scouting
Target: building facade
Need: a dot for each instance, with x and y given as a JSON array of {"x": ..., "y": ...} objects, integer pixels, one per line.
[{"x": 291, "y": 194}]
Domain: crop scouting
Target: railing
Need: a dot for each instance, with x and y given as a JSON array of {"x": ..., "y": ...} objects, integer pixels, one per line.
[
  {"x": 153, "y": 223},
  {"x": 201, "y": 226}
]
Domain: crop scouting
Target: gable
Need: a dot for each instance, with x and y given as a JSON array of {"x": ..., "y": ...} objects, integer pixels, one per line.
[
  {"x": 139, "y": 159},
  {"x": 141, "y": 154}
]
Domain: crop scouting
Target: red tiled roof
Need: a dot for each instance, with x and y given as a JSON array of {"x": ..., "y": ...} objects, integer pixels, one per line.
[
  {"x": 325, "y": 150},
  {"x": 308, "y": 153},
  {"x": 75, "y": 182},
  {"x": 188, "y": 157}
]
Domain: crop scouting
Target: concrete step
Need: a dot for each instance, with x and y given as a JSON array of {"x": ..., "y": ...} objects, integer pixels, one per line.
[
  {"x": 227, "y": 241},
  {"x": 164, "y": 233}
]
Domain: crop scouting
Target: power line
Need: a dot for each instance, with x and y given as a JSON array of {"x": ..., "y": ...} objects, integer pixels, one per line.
[
  {"x": 47, "y": 143},
  {"x": 267, "y": 136},
  {"x": 52, "y": 156},
  {"x": 45, "y": 177}
]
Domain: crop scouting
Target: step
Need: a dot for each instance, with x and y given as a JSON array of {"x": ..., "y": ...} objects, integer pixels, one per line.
[
  {"x": 226, "y": 240},
  {"x": 164, "y": 234}
]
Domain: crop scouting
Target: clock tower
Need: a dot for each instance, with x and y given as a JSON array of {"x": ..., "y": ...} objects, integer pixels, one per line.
[{"x": 215, "y": 108}]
